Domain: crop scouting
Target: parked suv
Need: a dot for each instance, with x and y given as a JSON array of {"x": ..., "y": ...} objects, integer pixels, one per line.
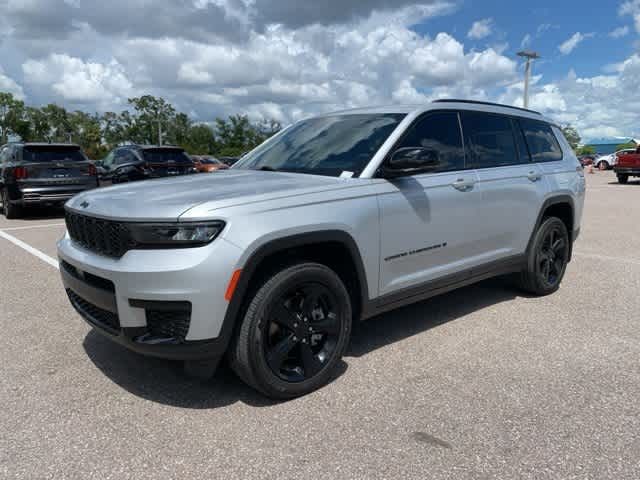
[
  {"x": 335, "y": 219},
  {"x": 42, "y": 174},
  {"x": 140, "y": 162},
  {"x": 628, "y": 165}
]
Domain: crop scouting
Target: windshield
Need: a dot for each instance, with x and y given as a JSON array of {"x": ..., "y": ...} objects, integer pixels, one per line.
[
  {"x": 325, "y": 145},
  {"x": 52, "y": 154},
  {"x": 165, "y": 156}
]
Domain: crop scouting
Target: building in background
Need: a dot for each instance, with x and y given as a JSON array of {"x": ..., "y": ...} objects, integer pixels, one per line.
[{"x": 608, "y": 145}]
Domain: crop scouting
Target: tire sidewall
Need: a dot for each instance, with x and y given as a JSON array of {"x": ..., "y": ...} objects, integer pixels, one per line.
[
  {"x": 541, "y": 286},
  {"x": 284, "y": 282}
]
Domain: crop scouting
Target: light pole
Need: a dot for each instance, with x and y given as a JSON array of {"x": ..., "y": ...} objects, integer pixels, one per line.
[{"x": 529, "y": 55}]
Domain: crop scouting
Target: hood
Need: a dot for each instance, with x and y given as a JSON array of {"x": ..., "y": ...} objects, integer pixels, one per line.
[{"x": 168, "y": 198}]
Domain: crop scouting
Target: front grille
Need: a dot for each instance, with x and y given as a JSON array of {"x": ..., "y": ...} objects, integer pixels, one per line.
[
  {"x": 105, "y": 237},
  {"x": 168, "y": 324},
  {"x": 102, "y": 319}
]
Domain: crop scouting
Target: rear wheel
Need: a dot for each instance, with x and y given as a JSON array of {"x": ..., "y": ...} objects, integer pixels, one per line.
[
  {"x": 8, "y": 209},
  {"x": 623, "y": 179},
  {"x": 295, "y": 331},
  {"x": 547, "y": 258}
]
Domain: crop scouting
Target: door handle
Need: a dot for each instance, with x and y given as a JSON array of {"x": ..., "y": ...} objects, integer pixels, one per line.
[
  {"x": 534, "y": 176},
  {"x": 463, "y": 185}
]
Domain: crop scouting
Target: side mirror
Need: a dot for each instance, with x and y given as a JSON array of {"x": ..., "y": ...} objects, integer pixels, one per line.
[{"x": 411, "y": 160}]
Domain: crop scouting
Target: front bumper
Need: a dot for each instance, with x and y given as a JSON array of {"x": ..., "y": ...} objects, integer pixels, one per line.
[{"x": 163, "y": 303}]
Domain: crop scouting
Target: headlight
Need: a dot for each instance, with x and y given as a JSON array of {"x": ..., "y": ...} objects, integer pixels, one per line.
[{"x": 175, "y": 234}]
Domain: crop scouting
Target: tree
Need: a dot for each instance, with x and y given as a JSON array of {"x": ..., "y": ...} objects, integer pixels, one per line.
[
  {"x": 59, "y": 126},
  {"x": 586, "y": 150},
  {"x": 237, "y": 134},
  {"x": 153, "y": 116},
  {"x": 12, "y": 121},
  {"x": 200, "y": 140},
  {"x": 626, "y": 146},
  {"x": 571, "y": 134}
]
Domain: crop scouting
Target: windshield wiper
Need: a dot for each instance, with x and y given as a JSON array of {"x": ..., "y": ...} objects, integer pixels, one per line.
[{"x": 267, "y": 168}]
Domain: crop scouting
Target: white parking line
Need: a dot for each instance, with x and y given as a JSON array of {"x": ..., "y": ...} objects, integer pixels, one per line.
[
  {"x": 33, "y": 251},
  {"x": 29, "y": 227}
]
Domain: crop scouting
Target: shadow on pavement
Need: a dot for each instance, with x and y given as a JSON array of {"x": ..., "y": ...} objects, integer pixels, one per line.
[{"x": 164, "y": 382}]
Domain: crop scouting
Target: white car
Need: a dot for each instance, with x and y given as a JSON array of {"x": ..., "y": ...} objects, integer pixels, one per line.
[{"x": 606, "y": 162}]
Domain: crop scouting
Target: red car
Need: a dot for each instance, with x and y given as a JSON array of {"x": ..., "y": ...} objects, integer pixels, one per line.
[
  {"x": 628, "y": 165},
  {"x": 208, "y": 164}
]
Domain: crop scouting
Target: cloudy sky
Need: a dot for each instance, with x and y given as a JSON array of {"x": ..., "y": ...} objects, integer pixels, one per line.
[{"x": 286, "y": 59}]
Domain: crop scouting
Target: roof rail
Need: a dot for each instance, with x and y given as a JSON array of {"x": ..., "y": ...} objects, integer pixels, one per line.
[{"x": 478, "y": 102}]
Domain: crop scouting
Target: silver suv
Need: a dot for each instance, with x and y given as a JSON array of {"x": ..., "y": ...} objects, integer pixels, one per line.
[{"x": 334, "y": 220}]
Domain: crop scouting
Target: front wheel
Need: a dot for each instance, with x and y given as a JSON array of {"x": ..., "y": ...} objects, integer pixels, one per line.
[
  {"x": 623, "y": 179},
  {"x": 547, "y": 258},
  {"x": 603, "y": 165},
  {"x": 295, "y": 331}
]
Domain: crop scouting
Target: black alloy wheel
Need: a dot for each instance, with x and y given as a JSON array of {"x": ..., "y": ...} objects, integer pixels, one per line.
[
  {"x": 547, "y": 258},
  {"x": 552, "y": 256},
  {"x": 302, "y": 330},
  {"x": 294, "y": 332}
]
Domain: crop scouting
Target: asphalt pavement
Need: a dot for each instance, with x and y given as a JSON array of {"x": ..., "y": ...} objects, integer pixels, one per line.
[{"x": 483, "y": 382}]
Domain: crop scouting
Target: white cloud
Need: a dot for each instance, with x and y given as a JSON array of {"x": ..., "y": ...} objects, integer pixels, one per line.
[
  {"x": 8, "y": 84},
  {"x": 77, "y": 81},
  {"x": 481, "y": 29},
  {"x": 619, "y": 32},
  {"x": 569, "y": 45},
  {"x": 631, "y": 8}
]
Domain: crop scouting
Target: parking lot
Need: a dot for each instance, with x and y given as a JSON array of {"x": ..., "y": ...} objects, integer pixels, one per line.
[{"x": 479, "y": 383}]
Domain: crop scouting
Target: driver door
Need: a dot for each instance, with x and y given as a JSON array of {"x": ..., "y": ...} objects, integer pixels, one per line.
[{"x": 428, "y": 220}]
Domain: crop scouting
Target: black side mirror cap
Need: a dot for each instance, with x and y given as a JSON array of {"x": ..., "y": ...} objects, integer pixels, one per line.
[{"x": 410, "y": 161}]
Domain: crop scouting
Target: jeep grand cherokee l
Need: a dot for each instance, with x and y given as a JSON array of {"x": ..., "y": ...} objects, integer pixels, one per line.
[
  {"x": 334, "y": 220},
  {"x": 42, "y": 174}
]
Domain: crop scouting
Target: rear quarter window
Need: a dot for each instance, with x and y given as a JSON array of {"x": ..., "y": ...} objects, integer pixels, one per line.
[{"x": 543, "y": 144}]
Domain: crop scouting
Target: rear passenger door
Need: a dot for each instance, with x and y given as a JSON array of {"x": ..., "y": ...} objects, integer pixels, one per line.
[{"x": 512, "y": 188}]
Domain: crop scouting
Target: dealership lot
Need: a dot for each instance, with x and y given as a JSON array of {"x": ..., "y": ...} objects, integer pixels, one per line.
[{"x": 479, "y": 383}]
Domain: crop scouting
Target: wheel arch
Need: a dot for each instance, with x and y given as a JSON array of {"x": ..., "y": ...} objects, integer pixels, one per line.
[
  {"x": 335, "y": 248},
  {"x": 561, "y": 206}
]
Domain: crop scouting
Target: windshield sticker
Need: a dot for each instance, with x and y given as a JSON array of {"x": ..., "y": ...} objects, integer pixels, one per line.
[{"x": 346, "y": 174}]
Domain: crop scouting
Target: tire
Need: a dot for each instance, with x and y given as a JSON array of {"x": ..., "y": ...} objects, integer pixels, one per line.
[
  {"x": 274, "y": 350},
  {"x": 623, "y": 179},
  {"x": 547, "y": 258},
  {"x": 9, "y": 210},
  {"x": 603, "y": 165}
]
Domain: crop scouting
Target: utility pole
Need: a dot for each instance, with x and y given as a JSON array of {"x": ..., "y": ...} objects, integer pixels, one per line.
[
  {"x": 530, "y": 56},
  {"x": 159, "y": 132}
]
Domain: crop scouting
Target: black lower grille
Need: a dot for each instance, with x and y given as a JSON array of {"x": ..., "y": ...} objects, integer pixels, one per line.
[
  {"x": 103, "y": 319},
  {"x": 168, "y": 324},
  {"x": 106, "y": 237}
]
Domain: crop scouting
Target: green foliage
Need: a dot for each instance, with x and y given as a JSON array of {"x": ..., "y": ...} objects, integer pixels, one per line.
[
  {"x": 572, "y": 136},
  {"x": 586, "y": 150},
  {"x": 153, "y": 119},
  {"x": 625, "y": 146}
]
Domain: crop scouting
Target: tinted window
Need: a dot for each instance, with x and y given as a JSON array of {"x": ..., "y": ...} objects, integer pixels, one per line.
[
  {"x": 52, "y": 154},
  {"x": 125, "y": 156},
  {"x": 439, "y": 131},
  {"x": 543, "y": 144},
  {"x": 490, "y": 140},
  {"x": 326, "y": 145},
  {"x": 165, "y": 155}
]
